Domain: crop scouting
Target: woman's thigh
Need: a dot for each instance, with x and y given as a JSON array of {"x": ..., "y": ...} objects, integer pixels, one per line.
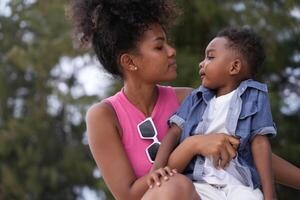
[{"x": 177, "y": 187}]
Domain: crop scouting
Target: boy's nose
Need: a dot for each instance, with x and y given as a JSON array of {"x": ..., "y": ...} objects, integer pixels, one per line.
[{"x": 201, "y": 64}]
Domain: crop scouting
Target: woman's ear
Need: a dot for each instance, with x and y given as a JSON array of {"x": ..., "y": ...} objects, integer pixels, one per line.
[
  {"x": 235, "y": 67},
  {"x": 127, "y": 63}
]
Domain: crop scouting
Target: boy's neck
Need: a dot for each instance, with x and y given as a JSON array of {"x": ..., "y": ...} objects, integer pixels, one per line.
[
  {"x": 227, "y": 88},
  {"x": 233, "y": 83}
]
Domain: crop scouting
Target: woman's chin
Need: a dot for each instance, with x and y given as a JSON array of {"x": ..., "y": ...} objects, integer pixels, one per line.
[{"x": 173, "y": 77}]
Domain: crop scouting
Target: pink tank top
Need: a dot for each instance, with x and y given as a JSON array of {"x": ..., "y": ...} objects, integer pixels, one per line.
[{"x": 129, "y": 117}]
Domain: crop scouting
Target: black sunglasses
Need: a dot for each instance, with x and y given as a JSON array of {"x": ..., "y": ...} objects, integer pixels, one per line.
[{"x": 148, "y": 131}]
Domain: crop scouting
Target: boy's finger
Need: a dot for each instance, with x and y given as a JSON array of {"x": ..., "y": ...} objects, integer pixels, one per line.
[
  {"x": 231, "y": 150},
  {"x": 216, "y": 161},
  {"x": 234, "y": 141},
  {"x": 224, "y": 159}
]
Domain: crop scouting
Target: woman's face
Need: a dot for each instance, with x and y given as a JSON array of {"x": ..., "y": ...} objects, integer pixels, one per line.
[{"x": 155, "y": 59}]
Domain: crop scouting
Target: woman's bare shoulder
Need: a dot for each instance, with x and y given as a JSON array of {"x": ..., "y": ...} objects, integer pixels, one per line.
[
  {"x": 182, "y": 92},
  {"x": 101, "y": 116},
  {"x": 100, "y": 110}
]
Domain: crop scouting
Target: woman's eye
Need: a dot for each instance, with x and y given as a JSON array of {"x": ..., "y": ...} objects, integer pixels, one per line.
[
  {"x": 210, "y": 57},
  {"x": 159, "y": 47}
]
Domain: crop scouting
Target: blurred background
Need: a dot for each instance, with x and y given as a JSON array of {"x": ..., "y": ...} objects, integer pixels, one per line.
[{"x": 46, "y": 86}]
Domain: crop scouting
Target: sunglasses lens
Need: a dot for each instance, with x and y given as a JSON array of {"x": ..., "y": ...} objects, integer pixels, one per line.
[
  {"x": 147, "y": 129},
  {"x": 152, "y": 151}
]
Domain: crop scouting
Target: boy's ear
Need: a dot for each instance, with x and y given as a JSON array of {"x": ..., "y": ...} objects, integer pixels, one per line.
[
  {"x": 235, "y": 67},
  {"x": 126, "y": 61}
]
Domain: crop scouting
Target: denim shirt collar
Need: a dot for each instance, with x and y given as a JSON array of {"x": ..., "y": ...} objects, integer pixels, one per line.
[
  {"x": 205, "y": 93},
  {"x": 208, "y": 94},
  {"x": 249, "y": 83}
]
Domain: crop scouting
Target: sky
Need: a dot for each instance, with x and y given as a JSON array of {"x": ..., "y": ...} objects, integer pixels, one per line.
[{"x": 4, "y": 10}]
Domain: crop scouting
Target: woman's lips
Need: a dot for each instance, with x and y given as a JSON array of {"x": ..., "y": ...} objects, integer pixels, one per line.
[{"x": 173, "y": 65}]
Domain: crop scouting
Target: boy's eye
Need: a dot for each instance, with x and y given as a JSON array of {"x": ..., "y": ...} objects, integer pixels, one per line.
[
  {"x": 159, "y": 47},
  {"x": 210, "y": 57}
]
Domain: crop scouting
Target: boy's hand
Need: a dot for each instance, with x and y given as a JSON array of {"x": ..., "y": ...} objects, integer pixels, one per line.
[
  {"x": 155, "y": 176},
  {"x": 221, "y": 147}
]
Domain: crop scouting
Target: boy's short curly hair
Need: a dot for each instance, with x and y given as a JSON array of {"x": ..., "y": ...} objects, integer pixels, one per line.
[
  {"x": 114, "y": 27},
  {"x": 248, "y": 44}
]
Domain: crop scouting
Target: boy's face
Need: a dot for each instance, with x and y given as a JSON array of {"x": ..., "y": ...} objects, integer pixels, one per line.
[{"x": 215, "y": 68}]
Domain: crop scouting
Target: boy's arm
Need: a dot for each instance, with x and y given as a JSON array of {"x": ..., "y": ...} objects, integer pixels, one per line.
[
  {"x": 262, "y": 124},
  {"x": 159, "y": 169},
  {"x": 172, "y": 137},
  {"x": 168, "y": 144},
  {"x": 261, "y": 151}
]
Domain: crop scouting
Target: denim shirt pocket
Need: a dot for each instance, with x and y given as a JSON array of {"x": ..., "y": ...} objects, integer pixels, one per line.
[
  {"x": 243, "y": 130},
  {"x": 248, "y": 109}
]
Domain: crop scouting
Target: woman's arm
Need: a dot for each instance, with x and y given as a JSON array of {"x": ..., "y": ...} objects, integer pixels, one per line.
[
  {"x": 107, "y": 150},
  {"x": 285, "y": 173}
]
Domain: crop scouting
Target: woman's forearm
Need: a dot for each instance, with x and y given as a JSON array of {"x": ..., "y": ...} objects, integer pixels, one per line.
[{"x": 285, "y": 173}]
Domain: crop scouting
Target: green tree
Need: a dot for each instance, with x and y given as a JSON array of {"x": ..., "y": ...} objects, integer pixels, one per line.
[{"x": 42, "y": 155}]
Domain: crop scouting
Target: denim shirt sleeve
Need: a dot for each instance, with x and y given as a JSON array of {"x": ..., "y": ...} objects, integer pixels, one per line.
[
  {"x": 262, "y": 122},
  {"x": 182, "y": 113}
]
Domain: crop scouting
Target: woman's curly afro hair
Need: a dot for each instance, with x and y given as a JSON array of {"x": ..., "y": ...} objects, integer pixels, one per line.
[{"x": 114, "y": 27}]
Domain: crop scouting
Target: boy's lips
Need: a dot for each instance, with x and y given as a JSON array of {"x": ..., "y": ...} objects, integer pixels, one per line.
[{"x": 202, "y": 74}]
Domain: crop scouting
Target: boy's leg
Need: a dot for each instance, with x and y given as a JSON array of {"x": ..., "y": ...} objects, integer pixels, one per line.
[
  {"x": 237, "y": 192},
  {"x": 177, "y": 187},
  {"x": 208, "y": 192}
]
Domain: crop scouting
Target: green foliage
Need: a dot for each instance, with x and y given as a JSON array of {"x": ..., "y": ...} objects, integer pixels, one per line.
[{"x": 42, "y": 155}]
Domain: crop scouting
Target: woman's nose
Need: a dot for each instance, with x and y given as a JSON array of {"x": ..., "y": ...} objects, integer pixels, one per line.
[{"x": 171, "y": 51}]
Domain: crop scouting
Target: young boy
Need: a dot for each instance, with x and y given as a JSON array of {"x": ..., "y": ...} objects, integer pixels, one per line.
[{"x": 228, "y": 101}]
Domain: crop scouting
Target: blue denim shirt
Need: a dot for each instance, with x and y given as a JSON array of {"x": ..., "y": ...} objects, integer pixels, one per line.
[{"x": 249, "y": 115}]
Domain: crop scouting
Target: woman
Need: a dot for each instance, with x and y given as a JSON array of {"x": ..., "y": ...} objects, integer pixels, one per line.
[{"x": 130, "y": 41}]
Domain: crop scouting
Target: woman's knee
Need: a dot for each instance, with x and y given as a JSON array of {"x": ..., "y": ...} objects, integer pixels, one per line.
[{"x": 177, "y": 187}]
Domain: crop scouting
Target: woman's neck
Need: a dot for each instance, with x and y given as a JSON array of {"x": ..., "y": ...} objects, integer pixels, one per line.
[{"x": 143, "y": 96}]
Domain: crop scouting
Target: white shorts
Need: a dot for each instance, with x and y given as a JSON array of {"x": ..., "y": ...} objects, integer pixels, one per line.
[{"x": 228, "y": 192}]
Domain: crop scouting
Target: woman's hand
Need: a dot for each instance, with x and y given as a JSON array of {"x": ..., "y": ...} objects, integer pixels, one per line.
[
  {"x": 220, "y": 147},
  {"x": 155, "y": 176}
]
